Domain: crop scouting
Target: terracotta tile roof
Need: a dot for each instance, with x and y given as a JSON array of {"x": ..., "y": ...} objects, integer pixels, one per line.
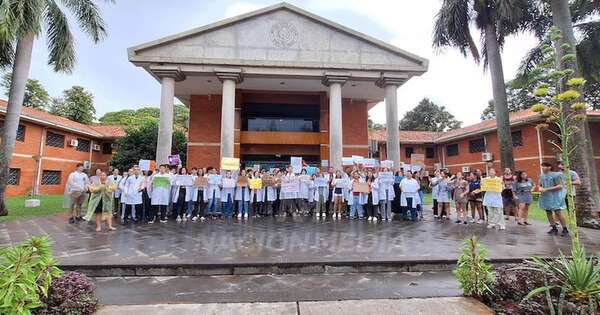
[
  {"x": 516, "y": 118},
  {"x": 41, "y": 117}
]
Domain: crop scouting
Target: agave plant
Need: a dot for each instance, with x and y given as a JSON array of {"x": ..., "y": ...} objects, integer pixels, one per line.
[{"x": 577, "y": 278}]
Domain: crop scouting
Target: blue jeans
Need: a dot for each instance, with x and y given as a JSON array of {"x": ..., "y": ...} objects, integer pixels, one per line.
[
  {"x": 227, "y": 207},
  {"x": 356, "y": 207},
  {"x": 410, "y": 206},
  {"x": 242, "y": 207},
  {"x": 212, "y": 203},
  {"x": 190, "y": 208}
]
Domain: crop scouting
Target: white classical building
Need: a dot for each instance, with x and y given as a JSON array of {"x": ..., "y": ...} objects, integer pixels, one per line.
[{"x": 276, "y": 82}]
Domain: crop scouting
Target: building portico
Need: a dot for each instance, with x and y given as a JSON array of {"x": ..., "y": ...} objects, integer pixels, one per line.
[{"x": 273, "y": 83}]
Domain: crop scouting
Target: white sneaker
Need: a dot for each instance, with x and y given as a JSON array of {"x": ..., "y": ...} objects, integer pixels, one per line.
[
  {"x": 188, "y": 216},
  {"x": 318, "y": 214},
  {"x": 246, "y": 215},
  {"x": 480, "y": 222},
  {"x": 239, "y": 215},
  {"x": 163, "y": 221},
  {"x": 490, "y": 226},
  {"x": 202, "y": 218},
  {"x": 194, "y": 219},
  {"x": 502, "y": 227},
  {"x": 178, "y": 219},
  {"x": 185, "y": 219}
]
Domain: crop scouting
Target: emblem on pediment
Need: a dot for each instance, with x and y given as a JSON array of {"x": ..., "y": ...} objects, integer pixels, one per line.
[{"x": 283, "y": 34}]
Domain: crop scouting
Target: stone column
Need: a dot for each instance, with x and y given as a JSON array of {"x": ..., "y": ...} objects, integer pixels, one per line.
[
  {"x": 335, "y": 82},
  {"x": 229, "y": 78},
  {"x": 390, "y": 84},
  {"x": 168, "y": 75}
]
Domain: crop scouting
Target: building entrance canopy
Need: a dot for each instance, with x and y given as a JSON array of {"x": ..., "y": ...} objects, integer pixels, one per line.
[{"x": 278, "y": 48}]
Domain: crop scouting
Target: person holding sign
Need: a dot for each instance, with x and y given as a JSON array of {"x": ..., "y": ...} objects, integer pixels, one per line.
[
  {"x": 100, "y": 203},
  {"x": 321, "y": 194},
  {"x": 200, "y": 184},
  {"x": 358, "y": 198},
  {"x": 242, "y": 194},
  {"x": 459, "y": 194},
  {"x": 289, "y": 192},
  {"x": 182, "y": 195},
  {"x": 476, "y": 197},
  {"x": 160, "y": 192},
  {"x": 409, "y": 196},
  {"x": 270, "y": 193},
  {"x": 386, "y": 195},
  {"x": 372, "y": 205},
  {"x": 257, "y": 194},
  {"x": 227, "y": 194},
  {"x": 339, "y": 184},
  {"x": 492, "y": 185},
  {"x": 212, "y": 194},
  {"x": 133, "y": 193},
  {"x": 304, "y": 189}
]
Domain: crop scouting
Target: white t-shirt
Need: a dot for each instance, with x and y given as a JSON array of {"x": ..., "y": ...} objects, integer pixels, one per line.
[{"x": 77, "y": 182}]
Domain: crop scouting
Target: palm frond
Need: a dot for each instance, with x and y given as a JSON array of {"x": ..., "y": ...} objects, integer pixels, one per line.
[
  {"x": 531, "y": 60},
  {"x": 587, "y": 50},
  {"x": 26, "y": 16},
  {"x": 89, "y": 17},
  {"x": 452, "y": 27},
  {"x": 580, "y": 9},
  {"x": 61, "y": 44},
  {"x": 7, "y": 53}
]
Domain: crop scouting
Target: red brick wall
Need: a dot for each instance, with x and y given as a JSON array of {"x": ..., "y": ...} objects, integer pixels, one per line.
[
  {"x": 354, "y": 127},
  {"x": 204, "y": 143},
  {"x": 56, "y": 159}
]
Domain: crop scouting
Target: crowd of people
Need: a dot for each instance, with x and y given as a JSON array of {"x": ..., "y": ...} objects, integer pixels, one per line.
[{"x": 372, "y": 194}]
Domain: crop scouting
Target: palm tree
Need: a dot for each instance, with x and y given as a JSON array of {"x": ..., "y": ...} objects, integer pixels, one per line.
[
  {"x": 21, "y": 21},
  {"x": 495, "y": 19},
  {"x": 567, "y": 16}
]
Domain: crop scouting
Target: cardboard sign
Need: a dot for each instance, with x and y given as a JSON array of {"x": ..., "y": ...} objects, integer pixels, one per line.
[
  {"x": 491, "y": 184},
  {"x": 269, "y": 181},
  {"x": 230, "y": 164},
  {"x": 417, "y": 159},
  {"x": 174, "y": 159},
  {"x": 296, "y": 163},
  {"x": 228, "y": 183},
  {"x": 147, "y": 165},
  {"x": 201, "y": 182},
  {"x": 387, "y": 164},
  {"x": 184, "y": 180},
  {"x": 347, "y": 161},
  {"x": 371, "y": 163},
  {"x": 242, "y": 181},
  {"x": 321, "y": 182},
  {"x": 360, "y": 187},
  {"x": 255, "y": 183},
  {"x": 289, "y": 184},
  {"x": 214, "y": 179}
]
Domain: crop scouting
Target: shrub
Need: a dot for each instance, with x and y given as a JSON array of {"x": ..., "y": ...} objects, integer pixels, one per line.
[
  {"x": 26, "y": 271},
  {"x": 473, "y": 273},
  {"x": 73, "y": 294}
]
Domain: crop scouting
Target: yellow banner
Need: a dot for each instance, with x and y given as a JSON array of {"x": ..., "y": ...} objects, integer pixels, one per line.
[
  {"x": 230, "y": 164},
  {"x": 255, "y": 183},
  {"x": 491, "y": 184}
]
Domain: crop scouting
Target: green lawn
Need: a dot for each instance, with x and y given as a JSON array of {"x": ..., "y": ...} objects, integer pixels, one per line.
[{"x": 48, "y": 205}]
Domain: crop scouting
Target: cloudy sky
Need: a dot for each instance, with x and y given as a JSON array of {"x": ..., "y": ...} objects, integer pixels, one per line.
[{"x": 453, "y": 81}]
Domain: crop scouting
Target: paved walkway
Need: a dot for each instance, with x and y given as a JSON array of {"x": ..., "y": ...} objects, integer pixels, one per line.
[
  {"x": 282, "y": 240},
  {"x": 446, "y": 306},
  {"x": 274, "y": 288}
]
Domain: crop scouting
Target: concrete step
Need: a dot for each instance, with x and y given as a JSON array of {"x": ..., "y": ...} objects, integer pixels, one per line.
[
  {"x": 274, "y": 288},
  {"x": 429, "y": 306}
]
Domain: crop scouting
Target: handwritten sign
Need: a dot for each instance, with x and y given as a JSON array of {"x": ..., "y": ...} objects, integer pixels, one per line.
[
  {"x": 214, "y": 179},
  {"x": 255, "y": 183},
  {"x": 174, "y": 159},
  {"x": 360, "y": 187},
  {"x": 357, "y": 159},
  {"x": 491, "y": 184},
  {"x": 161, "y": 181},
  {"x": 289, "y": 184},
  {"x": 417, "y": 159},
  {"x": 230, "y": 164},
  {"x": 387, "y": 163},
  {"x": 184, "y": 180},
  {"x": 269, "y": 181},
  {"x": 347, "y": 161},
  {"x": 321, "y": 182},
  {"x": 324, "y": 163},
  {"x": 386, "y": 177},
  {"x": 242, "y": 181},
  {"x": 229, "y": 183},
  {"x": 296, "y": 163},
  {"x": 370, "y": 163},
  {"x": 201, "y": 182}
]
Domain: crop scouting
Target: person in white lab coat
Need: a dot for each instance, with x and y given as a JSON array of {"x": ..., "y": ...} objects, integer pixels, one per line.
[
  {"x": 115, "y": 179},
  {"x": 287, "y": 198},
  {"x": 134, "y": 186},
  {"x": 160, "y": 192},
  {"x": 212, "y": 195},
  {"x": 409, "y": 195},
  {"x": 227, "y": 195},
  {"x": 321, "y": 194},
  {"x": 386, "y": 195},
  {"x": 242, "y": 197}
]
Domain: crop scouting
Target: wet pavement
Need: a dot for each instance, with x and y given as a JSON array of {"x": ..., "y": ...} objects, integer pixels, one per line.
[
  {"x": 282, "y": 240},
  {"x": 274, "y": 288}
]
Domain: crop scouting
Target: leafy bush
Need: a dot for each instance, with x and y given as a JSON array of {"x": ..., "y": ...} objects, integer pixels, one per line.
[
  {"x": 73, "y": 294},
  {"x": 26, "y": 271},
  {"x": 473, "y": 273}
]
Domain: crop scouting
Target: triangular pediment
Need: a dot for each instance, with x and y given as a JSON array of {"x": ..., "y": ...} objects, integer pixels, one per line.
[{"x": 279, "y": 35}]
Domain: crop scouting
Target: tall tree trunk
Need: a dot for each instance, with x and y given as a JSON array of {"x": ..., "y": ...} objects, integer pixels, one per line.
[
  {"x": 16, "y": 94},
  {"x": 500, "y": 102},
  {"x": 582, "y": 158}
]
